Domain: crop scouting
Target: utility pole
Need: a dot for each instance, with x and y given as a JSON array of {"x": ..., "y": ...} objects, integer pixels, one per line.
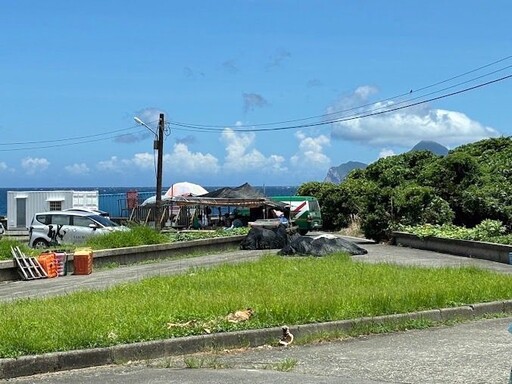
[{"x": 159, "y": 146}]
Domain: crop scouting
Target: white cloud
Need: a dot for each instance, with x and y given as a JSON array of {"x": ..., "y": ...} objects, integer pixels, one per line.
[
  {"x": 3, "y": 166},
  {"x": 311, "y": 152},
  {"x": 33, "y": 165},
  {"x": 112, "y": 165},
  {"x": 180, "y": 162},
  {"x": 241, "y": 158},
  {"x": 385, "y": 152},
  {"x": 183, "y": 162},
  {"x": 405, "y": 127},
  {"x": 77, "y": 169},
  {"x": 143, "y": 160}
]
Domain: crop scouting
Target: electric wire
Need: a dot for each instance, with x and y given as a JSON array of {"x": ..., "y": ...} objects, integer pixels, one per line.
[
  {"x": 389, "y": 107},
  {"x": 374, "y": 113},
  {"x": 58, "y": 145},
  {"x": 74, "y": 138},
  {"x": 243, "y": 128},
  {"x": 365, "y": 105}
]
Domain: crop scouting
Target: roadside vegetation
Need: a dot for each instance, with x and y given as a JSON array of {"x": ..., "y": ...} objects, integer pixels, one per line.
[
  {"x": 471, "y": 184},
  {"x": 5, "y": 248},
  {"x": 138, "y": 235},
  {"x": 280, "y": 291},
  {"x": 492, "y": 231}
]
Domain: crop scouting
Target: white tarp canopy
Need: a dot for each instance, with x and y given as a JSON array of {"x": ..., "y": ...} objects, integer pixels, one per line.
[{"x": 183, "y": 188}]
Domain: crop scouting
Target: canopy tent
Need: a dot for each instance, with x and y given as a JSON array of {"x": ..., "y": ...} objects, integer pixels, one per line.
[
  {"x": 181, "y": 208},
  {"x": 244, "y": 191},
  {"x": 185, "y": 188},
  {"x": 242, "y": 196}
]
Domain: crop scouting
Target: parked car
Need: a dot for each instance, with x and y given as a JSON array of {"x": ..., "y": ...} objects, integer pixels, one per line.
[
  {"x": 96, "y": 211},
  {"x": 70, "y": 227}
]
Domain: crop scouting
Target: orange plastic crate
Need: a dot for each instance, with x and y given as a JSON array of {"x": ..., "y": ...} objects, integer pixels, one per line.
[
  {"x": 82, "y": 261},
  {"x": 49, "y": 263}
]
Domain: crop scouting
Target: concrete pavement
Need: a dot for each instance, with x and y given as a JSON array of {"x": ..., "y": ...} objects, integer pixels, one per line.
[{"x": 470, "y": 353}]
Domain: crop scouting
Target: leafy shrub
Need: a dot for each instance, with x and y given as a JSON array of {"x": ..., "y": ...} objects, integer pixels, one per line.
[
  {"x": 198, "y": 235},
  {"x": 492, "y": 231},
  {"x": 469, "y": 185}
]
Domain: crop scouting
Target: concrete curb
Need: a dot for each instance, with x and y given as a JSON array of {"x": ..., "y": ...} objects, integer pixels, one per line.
[
  {"x": 61, "y": 361},
  {"x": 500, "y": 253}
]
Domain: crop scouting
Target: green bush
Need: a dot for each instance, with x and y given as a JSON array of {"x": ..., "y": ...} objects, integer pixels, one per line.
[
  {"x": 469, "y": 185},
  {"x": 492, "y": 231}
]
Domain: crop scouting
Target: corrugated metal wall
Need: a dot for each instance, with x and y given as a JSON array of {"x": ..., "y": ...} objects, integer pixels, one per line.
[
  {"x": 32, "y": 202},
  {"x": 116, "y": 204}
]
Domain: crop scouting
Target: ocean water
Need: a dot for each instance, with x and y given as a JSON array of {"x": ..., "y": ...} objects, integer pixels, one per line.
[{"x": 266, "y": 190}]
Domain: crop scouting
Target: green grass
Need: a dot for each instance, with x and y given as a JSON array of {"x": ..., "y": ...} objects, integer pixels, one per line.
[
  {"x": 280, "y": 290},
  {"x": 5, "y": 248},
  {"x": 138, "y": 235},
  {"x": 143, "y": 235},
  {"x": 285, "y": 365}
]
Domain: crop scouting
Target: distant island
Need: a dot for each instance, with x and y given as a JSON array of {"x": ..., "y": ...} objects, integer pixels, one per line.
[{"x": 337, "y": 174}]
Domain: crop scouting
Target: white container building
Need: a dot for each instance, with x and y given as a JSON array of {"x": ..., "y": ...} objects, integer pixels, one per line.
[{"x": 22, "y": 205}]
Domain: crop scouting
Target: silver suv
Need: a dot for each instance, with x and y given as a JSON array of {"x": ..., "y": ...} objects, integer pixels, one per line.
[{"x": 58, "y": 227}]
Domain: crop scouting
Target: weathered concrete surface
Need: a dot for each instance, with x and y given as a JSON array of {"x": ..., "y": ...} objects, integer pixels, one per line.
[{"x": 470, "y": 353}]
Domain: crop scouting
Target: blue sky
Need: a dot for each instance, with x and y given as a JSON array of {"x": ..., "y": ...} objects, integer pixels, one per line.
[{"x": 249, "y": 89}]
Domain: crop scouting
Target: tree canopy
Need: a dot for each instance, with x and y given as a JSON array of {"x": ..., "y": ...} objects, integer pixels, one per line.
[{"x": 470, "y": 184}]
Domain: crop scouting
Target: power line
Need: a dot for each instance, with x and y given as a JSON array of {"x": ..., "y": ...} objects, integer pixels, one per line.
[
  {"x": 191, "y": 125},
  {"x": 369, "y": 114},
  {"x": 254, "y": 128},
  {"x": 57, "y": 145},
  {"x": 244, "y": 128},
  {"x": 73, "y": 138}
]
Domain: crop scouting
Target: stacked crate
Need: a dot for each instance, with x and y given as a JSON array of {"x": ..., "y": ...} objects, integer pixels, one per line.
[
  {"x": 49, "y": 263},
  {"x": 54, "y": 263},
  {"x": 82, "y": 261}
]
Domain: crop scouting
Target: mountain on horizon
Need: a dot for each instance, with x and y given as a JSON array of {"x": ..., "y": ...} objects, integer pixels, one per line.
[
  {"x": 338, "y": 174},
  {"x": 432, "y": 146}
]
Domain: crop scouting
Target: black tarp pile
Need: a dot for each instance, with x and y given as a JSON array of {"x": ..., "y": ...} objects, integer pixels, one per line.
[
  {"x": 291, "y": 243},
  {"x": 262, "y": 238},
  {"x": 320, "y": 246}
]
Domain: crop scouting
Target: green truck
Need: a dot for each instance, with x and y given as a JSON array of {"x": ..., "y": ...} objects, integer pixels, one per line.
[{"x": 304, "y": 212}]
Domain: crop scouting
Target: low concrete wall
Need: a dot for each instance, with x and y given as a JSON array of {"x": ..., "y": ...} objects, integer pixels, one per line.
[
  {"x": 475, "y": 249},
  {"x": 130, "y": 255}
]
